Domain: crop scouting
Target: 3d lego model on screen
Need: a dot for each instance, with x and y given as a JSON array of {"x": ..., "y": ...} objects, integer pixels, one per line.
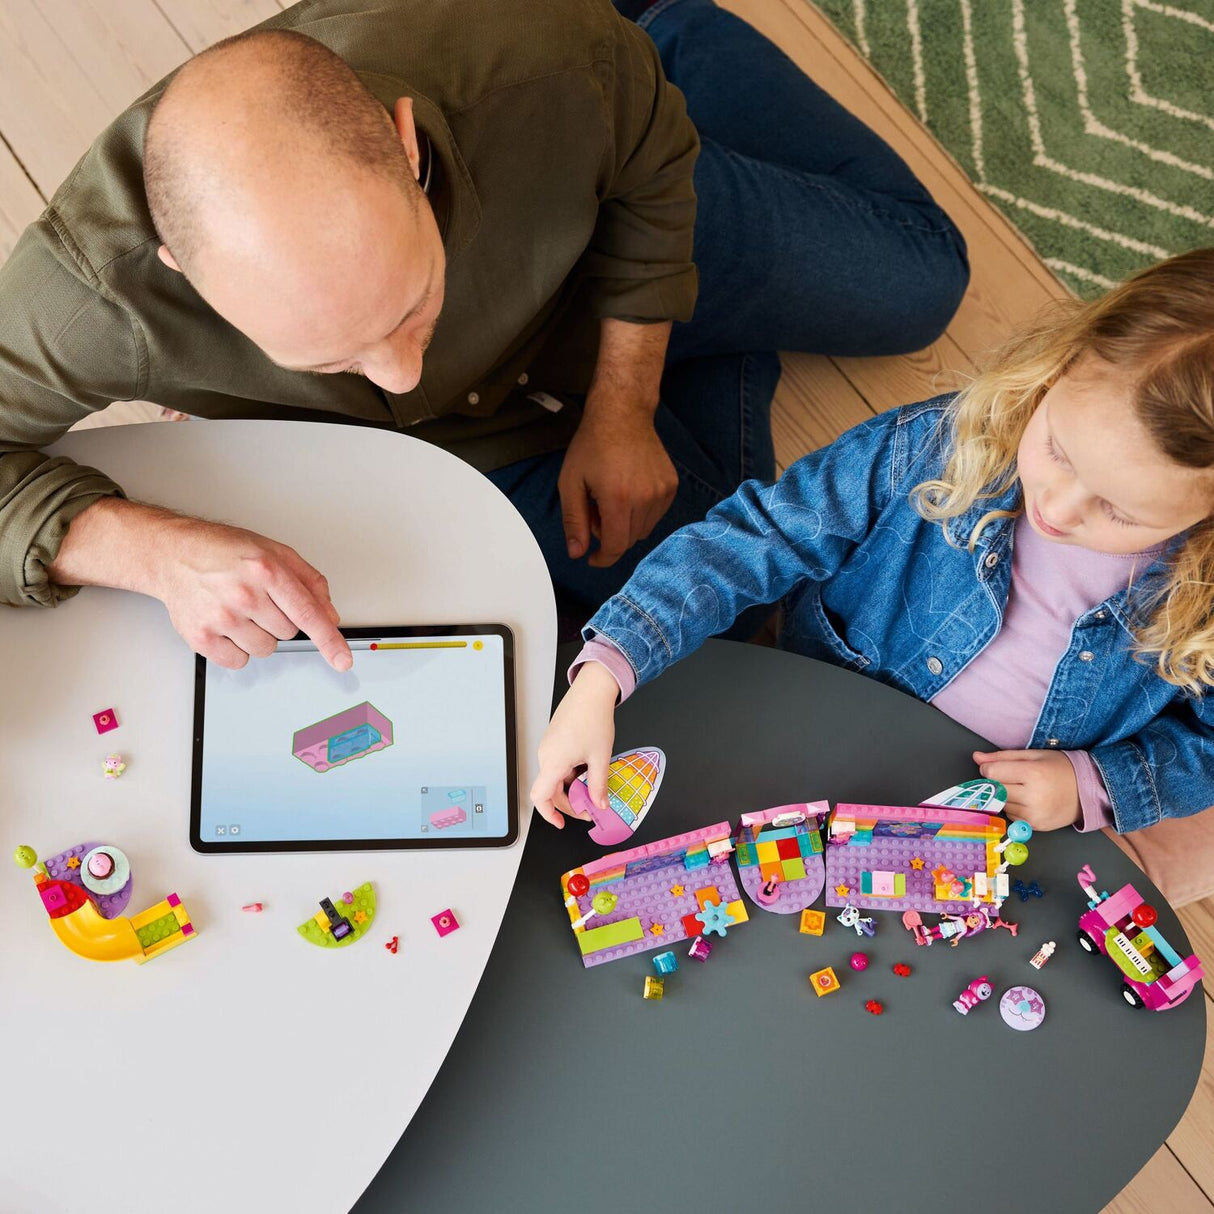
[{"x": 346, "y": 735}]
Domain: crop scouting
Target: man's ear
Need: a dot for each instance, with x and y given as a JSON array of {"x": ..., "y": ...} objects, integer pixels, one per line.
[
  {"x": 168, "y": 258},
  {"x": 402, "y": 114}
]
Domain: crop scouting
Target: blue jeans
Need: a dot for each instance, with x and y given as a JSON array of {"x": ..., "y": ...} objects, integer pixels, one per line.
[{"x": 811, "y": 234}]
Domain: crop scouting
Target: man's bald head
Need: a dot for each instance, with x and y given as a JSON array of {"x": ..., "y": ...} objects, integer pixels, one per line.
[
  {"x": 250, "y": 118},
  {"x": 287, "y": 194}
]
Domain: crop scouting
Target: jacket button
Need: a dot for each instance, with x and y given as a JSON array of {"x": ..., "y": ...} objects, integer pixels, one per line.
[
  {"x": 474, "y": 398},
  {"x": 935, "y": 665},
  {"x": 992, "y": 559},
  {"x": 1052, "y": 742},
  {"x": 522, "y": 379},
  {"x": 1101, "y": 614},
  {"x": 1086, "y": 656}
]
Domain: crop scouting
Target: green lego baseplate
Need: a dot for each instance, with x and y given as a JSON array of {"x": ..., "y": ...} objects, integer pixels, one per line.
[{"x": 360, "y": 911}]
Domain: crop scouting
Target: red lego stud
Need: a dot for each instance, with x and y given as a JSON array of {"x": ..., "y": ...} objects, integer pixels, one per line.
[
  {"x": 873, "y": 1006},
  {"x": 902, "y": 970}
]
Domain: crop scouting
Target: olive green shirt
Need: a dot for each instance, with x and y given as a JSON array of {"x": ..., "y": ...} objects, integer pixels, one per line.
[{"x": 563, "y": 192}]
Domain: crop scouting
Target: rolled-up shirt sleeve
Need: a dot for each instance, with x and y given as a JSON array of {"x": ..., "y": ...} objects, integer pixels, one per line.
[
  {"x": 66, "y": 351},
  {"x": 638, "y": 265}
]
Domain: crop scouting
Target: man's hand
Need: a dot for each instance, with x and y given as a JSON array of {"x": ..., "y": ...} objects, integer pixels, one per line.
[
  {"x": 616, "y": 483},
  {"x": 230, "y": 593},
  {"x": 617, "y": 480},
  {"x": 1041, "y": 785}
]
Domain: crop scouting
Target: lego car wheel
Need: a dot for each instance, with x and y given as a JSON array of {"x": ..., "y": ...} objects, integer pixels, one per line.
[
  {"x": 1087, "y": 943},
  {"x": 1131, "y": 996}
]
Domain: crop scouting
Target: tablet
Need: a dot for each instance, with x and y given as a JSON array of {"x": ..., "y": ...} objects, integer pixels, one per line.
[{"x": 414, "y": 746}]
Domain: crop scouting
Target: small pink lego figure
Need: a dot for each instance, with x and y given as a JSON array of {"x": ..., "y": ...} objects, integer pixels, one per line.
[
  {"x": 768, "y": 892},
  {"x": 112, "y": 767},
  {"x": 978, "y": 991}
]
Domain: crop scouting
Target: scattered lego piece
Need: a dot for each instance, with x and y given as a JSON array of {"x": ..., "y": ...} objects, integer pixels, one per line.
[
  {"x": 716, "y": 918},
  {"x": 579, "y": 884},
  {"x": 1042, "y": 955},
  {"x": 105, "y": 720},
  {"x": 655, "y": 988},
  {"x": 444, "y": 922},
  {"x": 874, "y": 1006},
  {"x": 1028, "y": 891},
  {"x": 902, "y": 970},
  {"x": 824, "y": 981},
  {"x": 858, "y": 961},
  {"x": 700, "y": 948},
  {"x": 253, "y": 908},
  {"x": 1022, "y": 1008},
  {"x": 850, "y": 916},
  {"x": 666, "y": 963},
  {"x": 999, "y": 921},
  {"x": 813, "y": 922},
  {"x": 677, "y": 891},
  {"x": 347, "y": 897},
  {"x": 330, "y": 928},
  {"x": 978, "y": 991},
  {"x": 112, "y": 766},
  {"x": 393, "y": 944},
  {"x": 25, "y": 856},
  {"x": 604, "y": 902}
]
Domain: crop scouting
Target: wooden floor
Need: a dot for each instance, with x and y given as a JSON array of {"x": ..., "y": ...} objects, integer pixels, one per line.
[{"x": 68, "y": 66}]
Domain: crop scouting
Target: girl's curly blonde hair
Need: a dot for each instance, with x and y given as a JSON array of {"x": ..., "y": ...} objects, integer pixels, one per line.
[{"x": 1158, "y": 328}]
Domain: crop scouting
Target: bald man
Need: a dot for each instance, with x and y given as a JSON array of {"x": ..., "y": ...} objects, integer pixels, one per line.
[{"x": 471, "y": 220}]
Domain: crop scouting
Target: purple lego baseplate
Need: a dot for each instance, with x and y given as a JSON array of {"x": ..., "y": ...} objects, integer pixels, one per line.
[
  {"x": 110, "y": 905},
  {"x": 643, "y": 880},
  {"x": 773, "y": 843},
  {"x": 845, "y": 865}
]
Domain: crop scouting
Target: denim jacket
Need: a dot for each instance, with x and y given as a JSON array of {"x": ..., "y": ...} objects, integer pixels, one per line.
[{"x": 872, "y": 586}]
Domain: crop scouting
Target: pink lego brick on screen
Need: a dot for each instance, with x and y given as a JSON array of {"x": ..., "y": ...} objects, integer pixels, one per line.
[
  {"x": 346, "y": 735},
  {"x": 448, "y": 817}
]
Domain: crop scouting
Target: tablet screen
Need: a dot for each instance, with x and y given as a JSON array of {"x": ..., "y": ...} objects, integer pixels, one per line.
[{"x": 412, "y": 747}]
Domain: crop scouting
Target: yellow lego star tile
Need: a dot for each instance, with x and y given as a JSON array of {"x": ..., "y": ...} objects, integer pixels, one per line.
[
  {"x": 657, "y": 928},
  {"x": 917, "y": 863},
  {"x": 360, "y": 916},
  {"x": 842, "y": 890},
  {"x": 677, "y": 890},
  {"x": 812, "y": 922},
  {"x": 73, "y": 861}
]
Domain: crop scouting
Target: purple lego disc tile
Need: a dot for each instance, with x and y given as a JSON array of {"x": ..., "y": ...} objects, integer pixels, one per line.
[{"x": 110, "y": 905}]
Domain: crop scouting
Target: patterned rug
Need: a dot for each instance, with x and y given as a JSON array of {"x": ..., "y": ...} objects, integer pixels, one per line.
[{"x": 1090, "y": 123}]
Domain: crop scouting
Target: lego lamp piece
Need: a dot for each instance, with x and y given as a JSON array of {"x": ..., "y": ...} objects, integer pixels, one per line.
[
  {"x": 332, "y": 927},
  {"x": 1022, "y": 1008},
  {"x": 824, "y": 981},
  {"x": 445, "y": 922},
  {"x": 633, "y": 780},
  {"x": 858, "y": 961},
  {"x": 604, "y": 902},
  {"x": 25, "y": 856},
  {"x": 1016, "y": 853},
  {"x": 665, "y": 963},
  {"x": 813, "y": 922},
  {"x": 700, "y": 948},
  {"x": 105, "y": 720}
]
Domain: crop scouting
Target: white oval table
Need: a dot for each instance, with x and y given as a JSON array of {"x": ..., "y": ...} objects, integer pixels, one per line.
[{"x": 243, "y": 1070}]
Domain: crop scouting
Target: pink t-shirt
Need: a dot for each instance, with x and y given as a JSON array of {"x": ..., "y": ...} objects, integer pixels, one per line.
[{"x": 1000, "y": 693}]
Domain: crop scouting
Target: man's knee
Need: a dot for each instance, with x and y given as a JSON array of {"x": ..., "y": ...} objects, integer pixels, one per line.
[{"x": 922, "y": 305}]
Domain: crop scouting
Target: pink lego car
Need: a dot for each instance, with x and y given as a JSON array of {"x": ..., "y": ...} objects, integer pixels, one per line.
[{"x": 1122, "y": 926}]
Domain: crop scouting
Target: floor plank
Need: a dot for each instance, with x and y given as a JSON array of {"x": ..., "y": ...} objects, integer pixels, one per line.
[
  {"x": 814, "y": 404},
  {"x": 200, "y": 23},
  {"x": 20, "y": 202},
  {"x": 1162, "y": 1185},
  {"x": 67, "y": 67},
  {"x": 1192, "y": 1141}
]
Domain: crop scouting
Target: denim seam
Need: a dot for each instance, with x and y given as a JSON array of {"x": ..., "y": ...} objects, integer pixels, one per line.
[
  {"x": 654, "y": 10},
  {"x": 857, "y": 202},
  {"x": 650, "y": 621}
]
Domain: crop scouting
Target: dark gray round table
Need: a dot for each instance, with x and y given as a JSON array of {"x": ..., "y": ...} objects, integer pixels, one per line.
[{"x": 743, "y": 1091}]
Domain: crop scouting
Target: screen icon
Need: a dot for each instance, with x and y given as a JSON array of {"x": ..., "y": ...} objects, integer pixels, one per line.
[
  {"x": 234, "y": 829},
  {"x": 221, "y": 830}
]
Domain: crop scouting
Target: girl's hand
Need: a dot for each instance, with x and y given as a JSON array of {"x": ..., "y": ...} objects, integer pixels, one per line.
[
  {"x": 1041, "y": 785},
  {"x": 579, "y": 736}
]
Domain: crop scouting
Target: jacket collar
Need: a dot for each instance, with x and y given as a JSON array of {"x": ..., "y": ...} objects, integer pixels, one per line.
[{"x": 457, "y": 209}]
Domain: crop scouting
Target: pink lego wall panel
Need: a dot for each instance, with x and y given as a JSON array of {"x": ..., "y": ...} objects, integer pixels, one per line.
[{"x": 346, "y": 735}]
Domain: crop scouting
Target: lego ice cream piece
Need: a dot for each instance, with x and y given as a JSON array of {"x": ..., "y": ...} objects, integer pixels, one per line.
[{"x": 1043, "y": 954}]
